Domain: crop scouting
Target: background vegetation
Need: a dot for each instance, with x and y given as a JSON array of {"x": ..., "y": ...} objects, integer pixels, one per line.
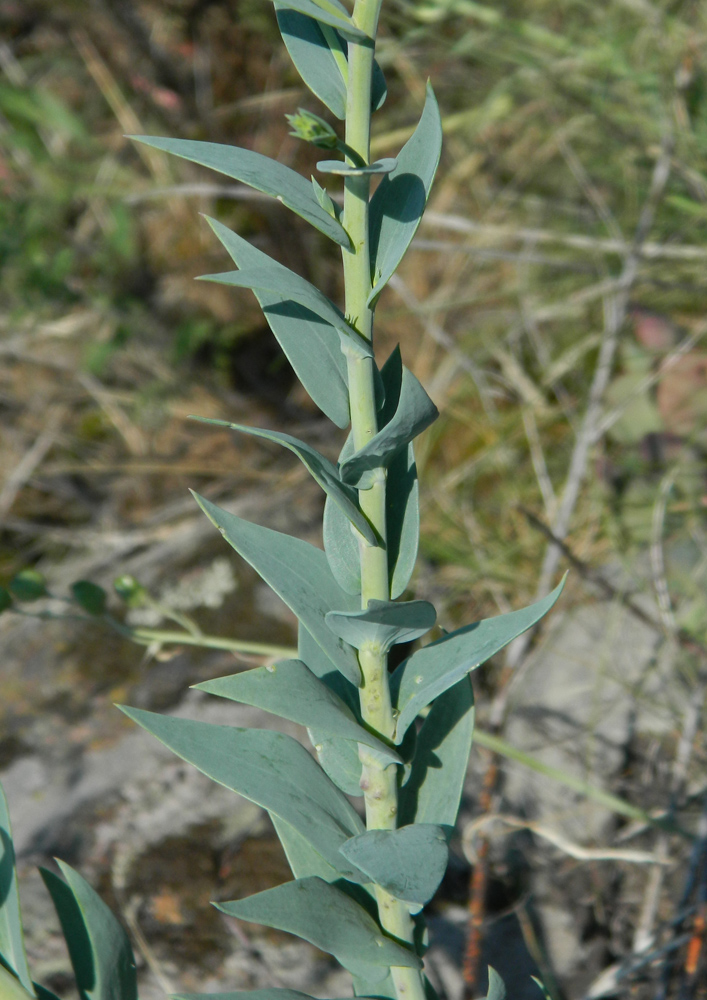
[{"x": 553, "y": 304}]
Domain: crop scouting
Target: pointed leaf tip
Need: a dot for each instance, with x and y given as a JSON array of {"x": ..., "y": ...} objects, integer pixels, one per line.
[{"x": 436, "y": 667}]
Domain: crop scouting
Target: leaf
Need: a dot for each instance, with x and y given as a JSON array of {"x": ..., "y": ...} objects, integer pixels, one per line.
[
  {"x": 11, "y": 988},
  {"x": 302, "y": 858},
  {"x": 5, "y": 599},
  {"x": 497, "y": 988},
  {"x": 340, "y": 760},
  {"x": 12, "y": 944},
  {"x": 340, "y": 543},
  {"x": 322, "y": 470},
  {"x": 435, "y": 668},
  {"x": 330, "y": 920},
  {"x": 327, "y": 12},
  {"x": 99, "y": 948},
  {"x": 259, "y": 172},
  {"x": 384, "y": 166},
  {"x": 409, "y": 862},
  {"x": 273, "y": 994},
  {"x": 434, "y": 788},
  {"x": 403, "y": 509},
  {"x": 290, "y": 689},
  {"x": 268, "y": 768},
  {"x": 298, "y": 291},
  {"x": 311, "y": 653},
  {"x": 400, "y": 199},
  {"x": 383, "y": 623},
  {"x": 384, "y": 990},
  {"x": 402, "y": 506},
  {"x": 312, "y": 346},
  {"x": 317, "y": 56},
  {"x": 29, "y": 585},
  {"x": 320, "y": 56},
  {"x": 298, "y": 573},
  {"x": 415, "y": 411},
  {"x": 89, "y": 596}
]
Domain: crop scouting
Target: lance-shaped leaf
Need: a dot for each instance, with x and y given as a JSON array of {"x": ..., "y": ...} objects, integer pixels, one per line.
[
  {"x": 290, "y": 689},
  {"x": 497, "y": 987},
  {"x": 301, "y": 856},
  {"x": 320, "y": 55},
  {"x": 11, "y": 988},
  {"x": 399, "y": 201},
  {"x": 327, "y": 12},
  {"x": 259, "y": 172},
  {"x": 298, "y": 291},
  {"x": 12, "y": 944},
  {"x": 330, "y": 920},
  {"x": 434, "y": 787},
  {"x": 415, "y": 411},
  {"x": 312, "y": 346},
  {"x": 402, "y": 506},
  {"x": 435, "y": 668},
  {"x": 273, "y": 994},
  {"x": 409, "y": 862},
  {"x": 384, "y": 166},
  {"x": 340, "y": 759},
  {"x": 269, "y": 768},
  {"x": 99, "y": 948},
  {"x": 311, "y": 653},
  {"x": 383, "y": 623},
  {"x": 298, "y": 573},
  {"x": 322, "y": 470}
]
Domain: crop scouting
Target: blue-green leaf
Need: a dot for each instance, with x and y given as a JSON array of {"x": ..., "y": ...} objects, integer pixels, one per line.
[
  {"x": 400, "y": 199},
  {"x": 11, "y": 988},
  {"x": 295, "y": 290},
  {"x": 409, "y": 862},
  {"x": 259, "y": 172},
  {"x": 383, "y": 623},
  {"x": 302, "y": 858},
  {"x": 320, "y": 55},
  {"x": 415, "y": 411},
  {"x": 330, "y": 920},
  {"x": 298, "y": 573},
  {"x": 402, "y": 506},
  {"x": 383, "y": 990},
  {"x": 340, "y": 760},
  {"x": 273, "y": 994},
  {"x": 322, "y": 470},
  {"x": 340, "y": 544},
  {"x": 312, "y": 345},
  {"x": 497, "y": 988},
  {"x": 327, "y": 12},
  {"x": 99, "y": 948},
  {"x": 290, "y": 689},
  {"x": 269, "y": 768},
  {"x": 384, "y": 166},
  {"x": 435, "y": 668},
  {"x": 310, "y": 652},
  {"x": 434, "y": 788},
  {"x": 12, "y": 943}
]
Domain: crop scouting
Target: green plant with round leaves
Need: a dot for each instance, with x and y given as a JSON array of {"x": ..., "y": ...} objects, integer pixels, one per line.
[{"x": 398, "y": 741}]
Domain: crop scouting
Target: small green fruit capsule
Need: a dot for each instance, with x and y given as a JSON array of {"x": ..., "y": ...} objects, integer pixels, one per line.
[
  {"x": 5, "y": 599},
  {"x": 130, "y": 590},
  {"x": 310, "y": 127},
  {"x": 28, "y": 585},
  {"x": 89, "y": 596}
]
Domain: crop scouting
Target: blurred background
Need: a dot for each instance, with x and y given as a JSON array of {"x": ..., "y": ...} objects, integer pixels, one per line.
[{"x": 553, "y": 303}]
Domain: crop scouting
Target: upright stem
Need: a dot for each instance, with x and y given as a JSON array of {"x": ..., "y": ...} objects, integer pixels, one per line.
[{"x": 379, "y": 784}]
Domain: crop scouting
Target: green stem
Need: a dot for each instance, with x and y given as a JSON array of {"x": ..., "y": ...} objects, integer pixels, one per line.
[
  {"x": 379, "y": 785},
  {"x": 148, "y": 636}
]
